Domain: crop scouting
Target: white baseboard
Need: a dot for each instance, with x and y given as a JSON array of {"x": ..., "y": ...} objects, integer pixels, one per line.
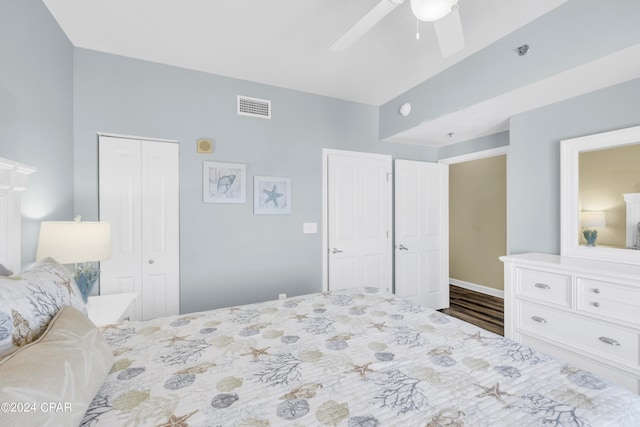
[{"x": 477, "y": 288}]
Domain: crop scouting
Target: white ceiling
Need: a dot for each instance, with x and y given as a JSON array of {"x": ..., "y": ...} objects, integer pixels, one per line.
[{"x": 286, "y": 43}]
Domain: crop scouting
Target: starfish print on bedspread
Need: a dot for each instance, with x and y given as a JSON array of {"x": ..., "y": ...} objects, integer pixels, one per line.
[
  {"x": 175, "y": 421},
  {"x": 362, "y": 370},
  {"x": 256, "y": 353},
  {"x": 300, "y": 317},
  {"x": 378, "y": 326},
  {"x": 478, "y": 337},
  {"x": 175, "y": 339},
  {"x": 306, "y": 391},
  {"x": 494, "y": 392}
]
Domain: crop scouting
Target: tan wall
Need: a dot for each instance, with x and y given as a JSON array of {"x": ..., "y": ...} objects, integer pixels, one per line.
[
  {"x": 478, "y": 221},
  {"x": 605, "y": 175}
]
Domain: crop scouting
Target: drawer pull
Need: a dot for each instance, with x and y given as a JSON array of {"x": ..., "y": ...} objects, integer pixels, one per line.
[
  {"x": 542, "y": 286},
  {"x": 596, "y": 304},
  {"x": 538, "y": 319},
  {"x": 609, "y": 341},
  {"x": 596, "y": 290}
]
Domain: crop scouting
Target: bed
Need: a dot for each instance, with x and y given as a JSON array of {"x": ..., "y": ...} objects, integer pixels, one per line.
[{"x": 359, "y": 357}]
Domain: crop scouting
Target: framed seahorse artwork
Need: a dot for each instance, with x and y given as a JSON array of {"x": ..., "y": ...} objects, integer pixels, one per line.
[
  {"x": 224, "y": 182},
  {"x": 271, "y": 195}
]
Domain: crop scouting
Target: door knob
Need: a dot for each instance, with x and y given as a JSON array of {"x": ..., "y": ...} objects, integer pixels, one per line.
[
  {"x": 403, "y": 248},
  {"x": 336, "y": 251},
  {"x": 150, "y": 261}
]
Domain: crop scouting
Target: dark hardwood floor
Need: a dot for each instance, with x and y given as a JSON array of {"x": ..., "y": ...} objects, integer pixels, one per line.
[{"x": 479, "y": 309}]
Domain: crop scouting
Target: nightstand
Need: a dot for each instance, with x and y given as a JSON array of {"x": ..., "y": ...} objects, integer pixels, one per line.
[{"x": 108, "y": 309}]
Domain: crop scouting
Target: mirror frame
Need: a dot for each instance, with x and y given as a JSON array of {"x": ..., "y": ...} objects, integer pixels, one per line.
[{"x": 570, "y": 150}]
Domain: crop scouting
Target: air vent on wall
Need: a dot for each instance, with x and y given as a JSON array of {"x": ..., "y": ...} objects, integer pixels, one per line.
[{"x": 254, "y": 107}]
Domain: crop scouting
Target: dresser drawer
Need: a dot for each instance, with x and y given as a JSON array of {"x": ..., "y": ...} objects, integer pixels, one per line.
[
  {"x": 598, "y": 337},
  {"x": 619, "y": 376},
  {"x": 544, "y": 285},
  {"x": 617, "y": 301}
]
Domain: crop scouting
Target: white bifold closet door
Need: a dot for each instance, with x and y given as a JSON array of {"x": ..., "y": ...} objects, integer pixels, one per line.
[{"x": 139, "y": 196}]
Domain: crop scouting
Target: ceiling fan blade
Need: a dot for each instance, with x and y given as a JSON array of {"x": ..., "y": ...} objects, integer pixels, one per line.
[
  {"x": 449, "y": 33},
  {"x": 367, "y": 22}
]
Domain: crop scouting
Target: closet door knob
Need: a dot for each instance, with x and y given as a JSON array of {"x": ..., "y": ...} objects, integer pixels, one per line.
[
  {"x": 403, "y": 248},
  {"x": 336, "y": 251},
  {"x": 150, "y": 261}
]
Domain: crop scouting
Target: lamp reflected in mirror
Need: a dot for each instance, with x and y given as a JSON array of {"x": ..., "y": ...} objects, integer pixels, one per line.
[{"x": 589, "y": 221}]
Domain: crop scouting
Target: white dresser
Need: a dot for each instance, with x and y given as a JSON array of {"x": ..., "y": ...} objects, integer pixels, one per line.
[{"x": 582, "y": 311}]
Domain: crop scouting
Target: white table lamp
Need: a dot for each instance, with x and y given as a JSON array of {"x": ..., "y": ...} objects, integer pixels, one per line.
[{"x": 76, "y": 242}]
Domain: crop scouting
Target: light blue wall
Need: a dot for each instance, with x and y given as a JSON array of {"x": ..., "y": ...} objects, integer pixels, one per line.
[
  {"x": 575, "y": 33},
  {"x": 36, "y": 116},
  {"x": 534, "y": 159},
  {"x": 228, "y": 255}
]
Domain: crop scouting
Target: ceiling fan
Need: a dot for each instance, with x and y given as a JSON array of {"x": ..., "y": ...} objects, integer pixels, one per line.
[{"x": 443, "y": 13}]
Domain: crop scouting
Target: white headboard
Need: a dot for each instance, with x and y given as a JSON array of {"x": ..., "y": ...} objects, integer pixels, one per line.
[{"x": 13, "y": 180}]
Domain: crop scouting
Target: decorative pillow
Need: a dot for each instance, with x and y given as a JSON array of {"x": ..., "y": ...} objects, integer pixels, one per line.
[
  {"x": 53, "y": 380},
  {"x": 4, "y": 271},
  {"x": 29, "y": 301}
]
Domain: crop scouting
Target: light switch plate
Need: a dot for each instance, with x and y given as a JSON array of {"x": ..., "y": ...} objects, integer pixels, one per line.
[{"x": 310, "y": 227}]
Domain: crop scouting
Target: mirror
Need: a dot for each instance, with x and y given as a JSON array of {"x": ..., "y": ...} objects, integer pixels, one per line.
[{"x": 598, "y": 173}]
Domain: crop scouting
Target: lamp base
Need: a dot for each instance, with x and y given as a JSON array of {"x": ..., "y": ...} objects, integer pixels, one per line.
[
  {"x": 590, "y": 236},
  {"x": 86, "y": 275}
]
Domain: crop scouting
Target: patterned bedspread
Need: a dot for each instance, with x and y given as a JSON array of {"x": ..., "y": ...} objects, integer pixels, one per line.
[{"x": 357, "y": 358}]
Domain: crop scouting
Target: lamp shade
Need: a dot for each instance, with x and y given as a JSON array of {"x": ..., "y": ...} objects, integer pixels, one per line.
[
  {"x": 592, "y": 219},
  {"x": 431, "y": 10},
  {"x": 71, "y": 242}
]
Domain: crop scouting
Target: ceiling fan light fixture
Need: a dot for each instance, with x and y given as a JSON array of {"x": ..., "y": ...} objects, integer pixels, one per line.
[{"x": 431, "y": 10}]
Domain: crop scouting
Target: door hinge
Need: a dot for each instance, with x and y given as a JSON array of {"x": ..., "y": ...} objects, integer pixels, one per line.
[{"x": 388, "y": 176}]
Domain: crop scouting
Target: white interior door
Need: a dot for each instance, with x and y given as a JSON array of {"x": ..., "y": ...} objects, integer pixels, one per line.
[
  {"x": 422, "y": 232},
  {"x": 139, "y": 196},
  {"x": 359, "y": 220}
]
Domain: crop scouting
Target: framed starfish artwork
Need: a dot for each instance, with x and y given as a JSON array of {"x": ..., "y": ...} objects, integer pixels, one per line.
[
  {"x": 224, "y": 182},
  {"x": 271, "y": 195}
]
